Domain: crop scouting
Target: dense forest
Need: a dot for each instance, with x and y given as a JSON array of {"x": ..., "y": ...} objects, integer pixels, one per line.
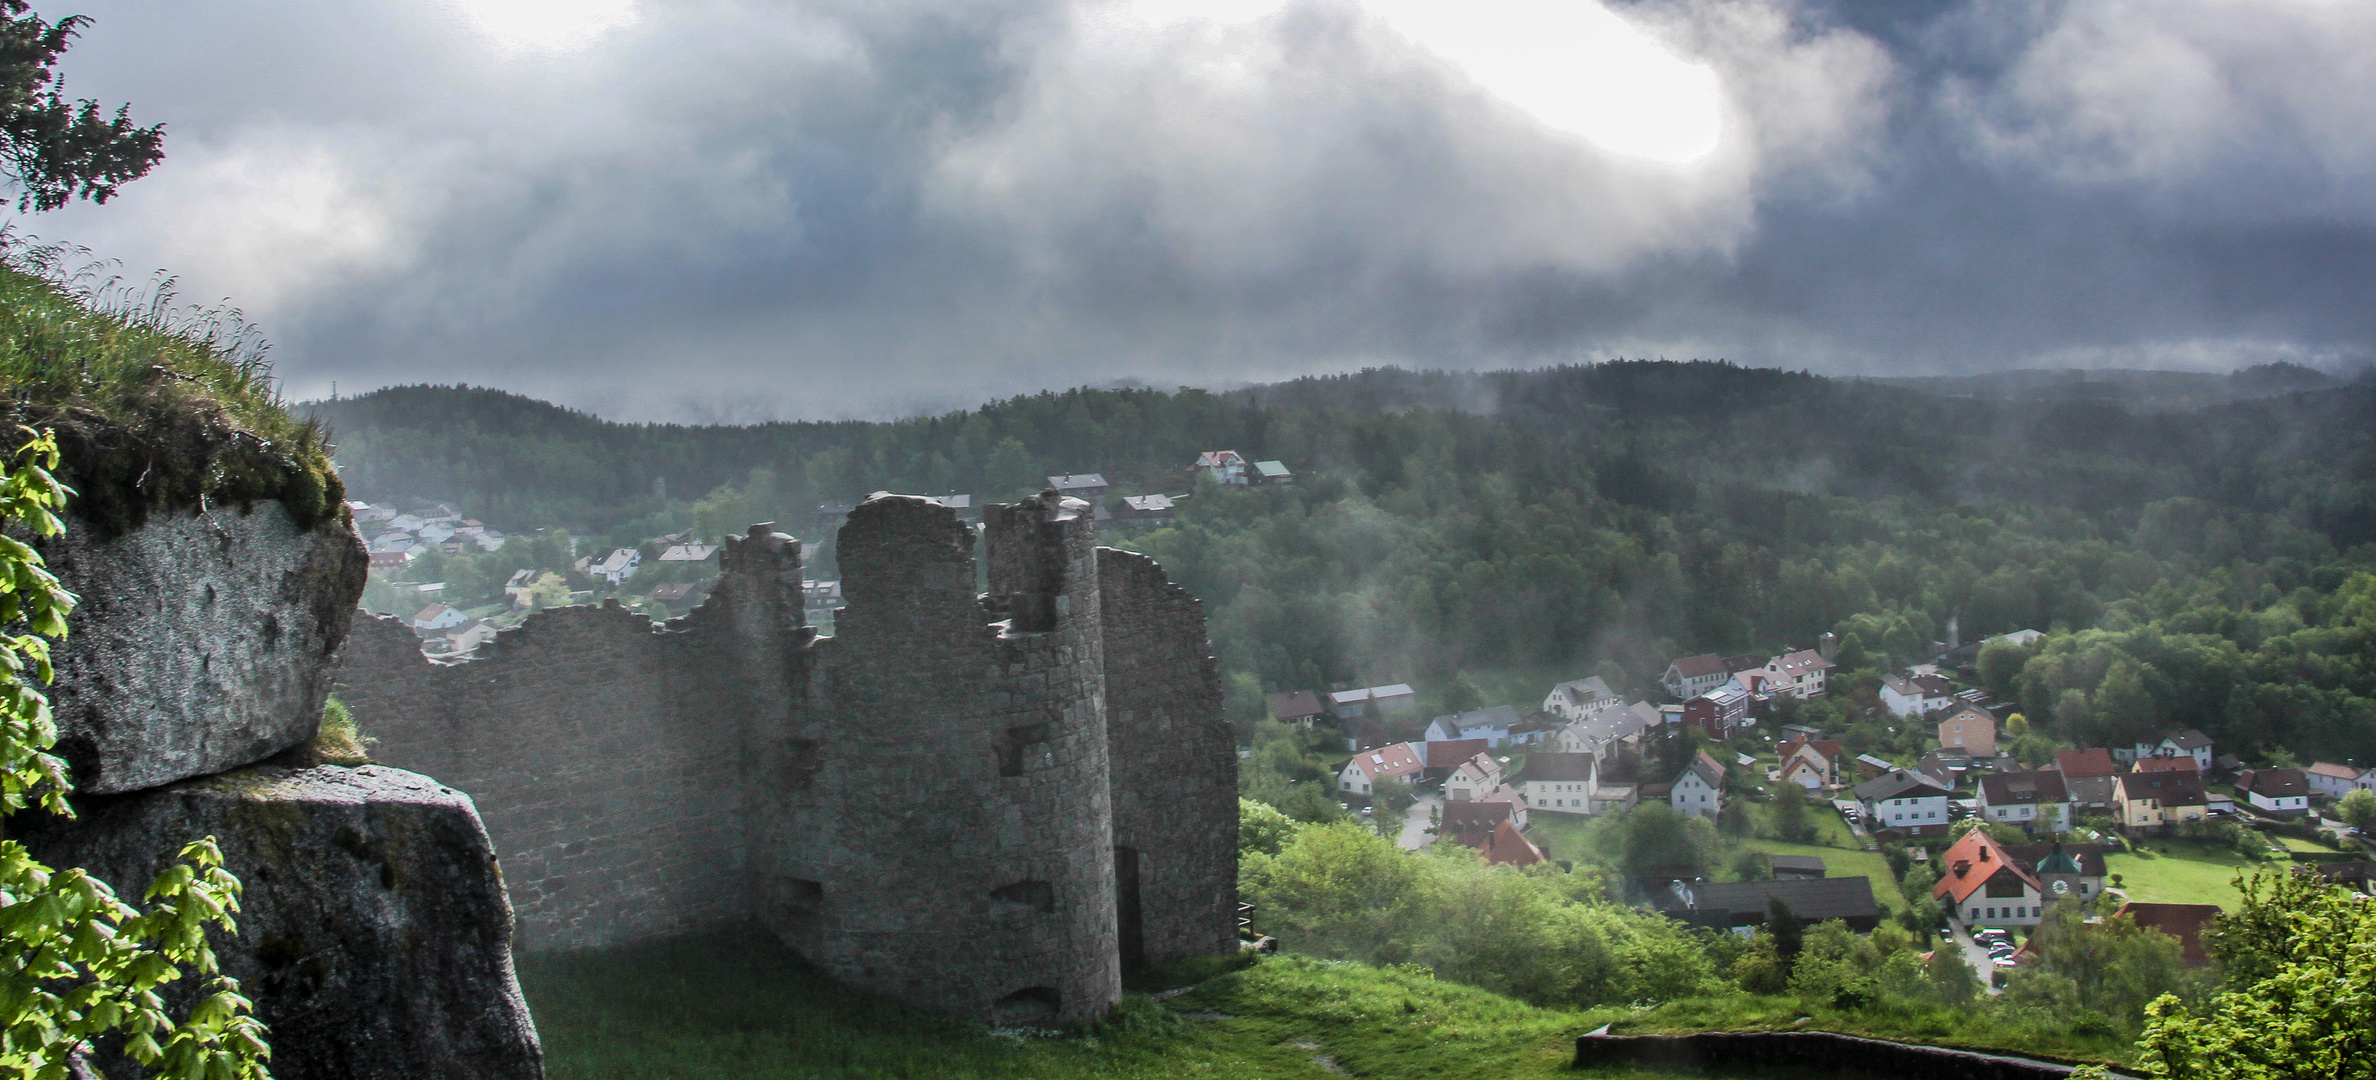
[{"x": 2213, "y": 567}]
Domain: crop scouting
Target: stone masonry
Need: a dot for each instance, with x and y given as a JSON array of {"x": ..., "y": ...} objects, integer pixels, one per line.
[{"x": 983, "y": 803}]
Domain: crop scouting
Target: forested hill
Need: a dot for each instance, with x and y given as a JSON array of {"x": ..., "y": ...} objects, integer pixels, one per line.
[
  {"x": 1654, "y": 435},
  {"x": 2208, "y": 568}
]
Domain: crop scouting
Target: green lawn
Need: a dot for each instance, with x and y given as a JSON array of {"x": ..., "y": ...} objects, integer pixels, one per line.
[
  {"x": 2181, "y": 872},
  {"x": 737, "y": 1005},
  {"x": 1844, "y": 862}
]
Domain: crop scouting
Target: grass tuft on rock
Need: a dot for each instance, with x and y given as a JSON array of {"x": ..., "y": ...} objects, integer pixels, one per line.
[{"x": 157, "y": 408}]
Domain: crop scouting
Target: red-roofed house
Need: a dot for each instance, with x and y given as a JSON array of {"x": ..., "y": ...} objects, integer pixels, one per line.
[
  {"x": 1981, "y": 884},
  {"x": 1445, "y": 755},
  {"x": 1509, "y": 847},
  {"x": 1298, "y": 707},
  {"x": 1362, "y": 772},
  {"x": 1472, "y": 822},
  {"x": 2095, "y": 761},
  {"x": 2186, "y": 922},
  {"x": 1813, "y": 765},
  {"x": 1475, "y": 778}
]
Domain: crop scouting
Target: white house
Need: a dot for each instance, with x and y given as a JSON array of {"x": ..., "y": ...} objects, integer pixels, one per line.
[
  {"x": 1474, "y": 779},
  {"x": 1362, "y": 772},
  {"x": 1700, "y": 790},
  {"x": 2277, "y": 792},
  {"x": 1813, "y": 764},
  {"x": 1579, "y": 698},
  {"x": 2033, "y": 800},
  {"x": 1914, "y": 695},
  {"x": 2187, "y": 743},
  {"x": 438, "y": 617},
  {"x": 1492, "y": 725},
  {"x": 1799, "y": 674},
  {"x": 1690, "y": 676},
  {"x": 1911, "y": 802},
  {"x": 1224, "y": 466},
  {"x": 615, "y": 567},
  {"x": 1982, "y": 884},
  {"x": 2328, "y": 778},
  {"x": 1558, "y": 783}
]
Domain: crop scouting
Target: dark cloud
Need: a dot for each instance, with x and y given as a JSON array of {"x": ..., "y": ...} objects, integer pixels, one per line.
[{"x": 741, "y": 210}]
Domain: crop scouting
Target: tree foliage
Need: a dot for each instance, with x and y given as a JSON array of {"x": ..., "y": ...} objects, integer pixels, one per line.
[
  {"x": 54, "y": 148},
  {"x": 78, "y": 966}
]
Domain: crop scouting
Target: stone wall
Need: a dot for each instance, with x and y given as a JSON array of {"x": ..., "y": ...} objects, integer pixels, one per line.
[
  {"x": 1806, "y": 1053},
  {"x": 924, "y": 805},
  {"x": 1174, "y": 761}
]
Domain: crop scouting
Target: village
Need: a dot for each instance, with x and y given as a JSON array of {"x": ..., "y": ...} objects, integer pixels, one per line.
[
  {"x": 1965, "y": 839},
  {"x": 1943, "y": 829}
]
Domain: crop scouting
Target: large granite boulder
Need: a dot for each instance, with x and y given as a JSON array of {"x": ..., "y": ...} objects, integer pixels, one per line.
[
  {"x": 374, "y": 936},
  {"x": 203, "y": 641}
]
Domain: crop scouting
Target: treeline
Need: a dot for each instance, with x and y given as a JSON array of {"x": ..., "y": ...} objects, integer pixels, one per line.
[{"x": 1572, "y": 518}]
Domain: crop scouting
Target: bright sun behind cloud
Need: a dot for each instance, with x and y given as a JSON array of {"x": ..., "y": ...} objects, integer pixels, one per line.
[
  {"x": 1572, "y": 64},
  {"x": 544, "y": 25}
]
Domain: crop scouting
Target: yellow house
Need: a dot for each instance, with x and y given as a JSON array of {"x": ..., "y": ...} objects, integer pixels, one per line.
[
  {"x": 1969, "y": 727},
  {"x": 2151, "y": 800}
]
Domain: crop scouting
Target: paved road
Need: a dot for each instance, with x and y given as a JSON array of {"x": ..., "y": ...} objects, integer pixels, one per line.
[
  {"x": 1976, "y": 955},
  {"x": 1415, "y": 823}
]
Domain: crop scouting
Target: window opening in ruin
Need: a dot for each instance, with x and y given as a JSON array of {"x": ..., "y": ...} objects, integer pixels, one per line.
[
  {"x": 1129, "y": 921},
  {"x": 1019, "y": 747},
  {"x": 802, "y": 759},
  {"x": 800, "y": 898},
  {"x": 1036, "y": 895},
  {"x": 1030, "y": 1005}
]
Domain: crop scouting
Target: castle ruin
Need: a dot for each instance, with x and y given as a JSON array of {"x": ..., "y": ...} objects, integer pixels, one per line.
[{"x": 986, "y": 803}]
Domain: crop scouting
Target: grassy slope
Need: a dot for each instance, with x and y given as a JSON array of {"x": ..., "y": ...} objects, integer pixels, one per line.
[
  {"x": 739, "y": 1006},
  {"x": 2181, "y": 872}
]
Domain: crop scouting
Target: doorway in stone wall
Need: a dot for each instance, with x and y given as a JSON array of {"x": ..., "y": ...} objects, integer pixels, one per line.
[{"x": 1130, "y": 930}]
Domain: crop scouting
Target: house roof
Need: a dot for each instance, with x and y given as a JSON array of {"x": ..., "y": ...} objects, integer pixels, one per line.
[
  {"x": 1397, "y": 759},
  {"x": 1348, "y": 697},
  {"x": 1450, "y": 753},
  {"x": 1498, "y": 717},
  {"x": 1965, "y": 710},
  {"x": 1214, "y": 459},
  {"x": 1724, "y": 696},
  {"x": 2086, "y": 860},
  {"x": 1744, "y": 662},
  {"x": 1878, "y": 763},
  {"x": 2041, "y": 788},
  {"x": 2186, "y": 922},
  {"x": 2093, "y": 761},
  {"x": 431, "y": 612},
  {"x": 1694, "y": 667},
  {"x": 1918, "y": 685},
  {"x": 1509, "y": 847},
  {"x": 1707, "y": 768},
  {"x": 672, "y": 591},
  {"x": 1077, "y": 481},
  {"x": 1584, "y": 691},
  {"x": 1657, "y": 792},
  {"x": 1802, "y": 662},
  {"x": 1556, "y": 767},
  {"x": 689, "y": 553},
  {"x": 1271, "y": 468},
  {"x": 2169, "y": 763},
  {"x": 1746, "y": 902},
  {"x": 1799, "y": 863},
  {"x": 1900, "y": 784},
  {"x": 2177, "y": 787},
  {"x": 1479, "y": 768},
  {"x": 1974, "y": 861},
  {"x": 2273, "y": 783},
  {"x": 2189, "y": 739},
  {"x": 2093, "y": 790},
  {"x": 1294, "y": 704},
  {"x": 1828, "y": 749},
  {"x": 2338, "y": 772},
  {"x": 1148, "y": 504},
  {"x": 1468, "y": 818},
  {"x": 1398, "y": 690}
]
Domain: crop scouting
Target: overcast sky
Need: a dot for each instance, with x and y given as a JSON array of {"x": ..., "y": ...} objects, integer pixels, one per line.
[{"x": 679, "y": 209}]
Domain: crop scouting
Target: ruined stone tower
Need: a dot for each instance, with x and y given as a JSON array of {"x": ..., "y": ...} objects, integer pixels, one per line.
[{"x": 983, "y": 803}]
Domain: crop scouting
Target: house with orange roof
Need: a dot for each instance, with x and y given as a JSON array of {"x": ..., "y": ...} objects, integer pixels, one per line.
[
  {"x": 2094, "y": 761},
  {"x": 1509, "y": 847},
  {"x": 1982, "y": 884},
  {"x": 1364, "y": 770}
]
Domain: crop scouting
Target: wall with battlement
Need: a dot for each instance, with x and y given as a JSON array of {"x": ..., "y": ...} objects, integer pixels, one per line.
[{"x": 938, "y": 803}]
